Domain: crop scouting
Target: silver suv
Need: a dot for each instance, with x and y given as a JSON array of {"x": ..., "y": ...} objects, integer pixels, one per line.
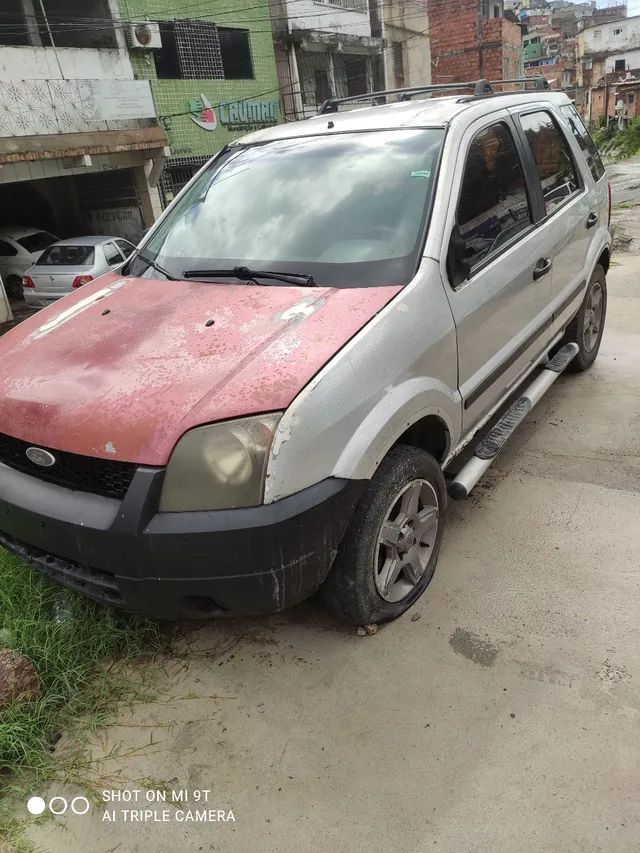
[{"x": 284, "y": 372}]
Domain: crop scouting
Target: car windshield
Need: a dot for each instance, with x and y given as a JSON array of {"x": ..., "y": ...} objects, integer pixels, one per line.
[
  {"x": 67, "y": 256},
  {"x": 346, "y": 209},
  {"x": 37, "y": 242}
]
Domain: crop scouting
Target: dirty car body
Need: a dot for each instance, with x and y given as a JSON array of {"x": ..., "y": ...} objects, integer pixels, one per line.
[{"x": 197, "y": 434}]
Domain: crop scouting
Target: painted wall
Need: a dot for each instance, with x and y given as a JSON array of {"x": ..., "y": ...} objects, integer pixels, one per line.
[
  {"x": 603, "y": 38},
  {"x": 630, "y": 57},
  {"x": 66, "y": 63},
  {"x": 179, "y": 102},
  {"x": 407, "y": 23},
  {"x": 313, "y": 15}
]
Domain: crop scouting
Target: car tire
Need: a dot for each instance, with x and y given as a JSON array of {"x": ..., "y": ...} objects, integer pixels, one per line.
[
  {"x": 14, "y": 287},
  {"x": 397, "y": 528},
  {"x": 587, "y": 326}
]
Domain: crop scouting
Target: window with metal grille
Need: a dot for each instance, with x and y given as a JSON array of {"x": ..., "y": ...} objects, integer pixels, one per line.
[
  {"x": 200, "y": 50},
  {"x": 398, "y": 63}
]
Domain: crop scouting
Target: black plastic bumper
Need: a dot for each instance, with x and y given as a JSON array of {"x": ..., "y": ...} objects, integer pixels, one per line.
[{"x": 177, "y": 565}]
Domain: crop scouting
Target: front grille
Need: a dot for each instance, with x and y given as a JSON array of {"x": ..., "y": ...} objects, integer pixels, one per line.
[
  {"x": 100, "y": 586},
  {"x": 84, "y": 473}
]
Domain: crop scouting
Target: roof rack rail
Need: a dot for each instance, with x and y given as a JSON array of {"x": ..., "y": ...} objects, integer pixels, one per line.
[
  {"x": 540, "y": 81},
  {"x": 480, "y": 88}
]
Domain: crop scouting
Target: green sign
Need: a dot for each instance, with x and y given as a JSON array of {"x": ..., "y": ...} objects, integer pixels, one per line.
[{"x": 234, "y": 115}]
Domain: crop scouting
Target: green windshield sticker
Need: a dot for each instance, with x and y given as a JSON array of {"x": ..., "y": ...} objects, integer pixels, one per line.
[{"x": 421, "y": 173}]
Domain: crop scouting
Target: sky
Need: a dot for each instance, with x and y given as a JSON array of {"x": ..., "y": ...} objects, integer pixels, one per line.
[{"x": 633, "y": 7}]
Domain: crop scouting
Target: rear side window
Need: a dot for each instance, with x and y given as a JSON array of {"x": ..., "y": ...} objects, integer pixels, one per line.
[
  {"x": 493, "y": 206},
  {"x": 579, "y": 130},
  {"x": 37, "y": 242},
  {"x": 125, "y": 248},
  {"x": 66, "y": 256},
  {"x": 551, "y": 152},
  {"x": 111, "y": 254},
  {"x": 7, "y": 250}
]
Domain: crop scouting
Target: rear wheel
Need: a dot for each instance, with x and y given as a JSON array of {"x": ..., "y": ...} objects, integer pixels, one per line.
[
  {"x": 587, "y": 326},
  {"x": 391, "y": 548},
  {"x": 14, "y": 287}
]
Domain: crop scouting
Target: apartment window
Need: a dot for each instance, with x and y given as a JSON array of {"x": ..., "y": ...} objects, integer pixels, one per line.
[
  {"x": 398, "y": 63},
  {"x": 617, "y": 32},
  {"x": 13, "y": 24},
  {"x": 236, "y": 54},
  {"x": 490, "y": 9},
  {"x": 597, "y": 34},
  {"x": 620, "y": 65},
  {"x": 56, "y": 22},
  {"x": 197, "y": 50}
]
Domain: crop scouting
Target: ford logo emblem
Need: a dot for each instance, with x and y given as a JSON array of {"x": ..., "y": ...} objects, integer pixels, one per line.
[{"x": 41, "y": 457}]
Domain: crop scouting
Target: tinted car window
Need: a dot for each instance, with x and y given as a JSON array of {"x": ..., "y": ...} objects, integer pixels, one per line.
[
  {"x": 7, "y": 250},
  {"x": 347, "y": 209},
  {"x": 37, "y": 242},
  {"x": 67, "y": 256},
  {"x": 111, "y": 254},
  {"x": 493, "y": 206},
  {"x": 125, "y": 248},
  {"x": 553, "y": 158},
  {"x": 585, "y": 141}
]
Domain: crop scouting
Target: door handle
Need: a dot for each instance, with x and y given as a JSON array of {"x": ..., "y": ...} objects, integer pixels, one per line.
[
  {"x": 592, "y": 220},
  {"x": 542, "y": 268}
]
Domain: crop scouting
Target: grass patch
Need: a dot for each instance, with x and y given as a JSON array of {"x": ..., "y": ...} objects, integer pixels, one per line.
[
  {"x": 73, "y": 644},
  {"x": 618, "y": 144}
]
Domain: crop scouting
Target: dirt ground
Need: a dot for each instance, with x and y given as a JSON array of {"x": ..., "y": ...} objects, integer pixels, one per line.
[{"x": 502, "y": 714}]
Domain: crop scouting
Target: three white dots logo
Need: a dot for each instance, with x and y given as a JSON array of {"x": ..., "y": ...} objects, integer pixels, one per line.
[{"x": 58, "y": 805}]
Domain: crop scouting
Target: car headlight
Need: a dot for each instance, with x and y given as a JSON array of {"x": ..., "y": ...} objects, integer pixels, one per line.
[{"x": 220, "y": 466}]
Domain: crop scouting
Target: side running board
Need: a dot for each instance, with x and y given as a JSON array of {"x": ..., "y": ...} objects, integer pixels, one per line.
[{"x": 495, "y": 440}]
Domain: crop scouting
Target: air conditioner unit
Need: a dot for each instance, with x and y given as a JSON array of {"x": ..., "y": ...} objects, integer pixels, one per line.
[{"x": 144, "y": 35}]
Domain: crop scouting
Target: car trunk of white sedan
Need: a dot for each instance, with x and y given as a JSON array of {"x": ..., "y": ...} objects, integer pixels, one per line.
[{"x": 56, "y": 279}]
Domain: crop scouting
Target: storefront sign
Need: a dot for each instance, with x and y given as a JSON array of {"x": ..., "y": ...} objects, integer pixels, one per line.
[
  {"x": 118, "y": 221},
  {"x": 203, "y": 114},
  {"x": 234, "y": 115}
]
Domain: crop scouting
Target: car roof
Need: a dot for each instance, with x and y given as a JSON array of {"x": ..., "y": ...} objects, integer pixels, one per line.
[
  {"x": 17, "y": 231},
  {"x": 90, "y": 240},
  {"x": 426, "y": 112}
]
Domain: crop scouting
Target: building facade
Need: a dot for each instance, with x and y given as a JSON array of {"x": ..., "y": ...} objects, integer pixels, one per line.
[
  {"x": 608, "y": 66},
  {"x": 473, "y": 39},
  {"x": 403, "y": 25},
  {"x": 324, "y": 49},
  {"x": 80, "y": 140},
  {"x": 212, "y": 71}
]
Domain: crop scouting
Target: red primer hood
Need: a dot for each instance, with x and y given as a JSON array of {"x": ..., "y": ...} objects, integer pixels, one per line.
[{"x": 124, "y": 367}]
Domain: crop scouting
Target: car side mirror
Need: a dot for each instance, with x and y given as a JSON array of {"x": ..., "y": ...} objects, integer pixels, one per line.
[{"x": 458, "y": 267}]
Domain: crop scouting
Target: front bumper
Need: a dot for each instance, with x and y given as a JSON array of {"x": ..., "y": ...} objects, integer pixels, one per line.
[{"x": 177, "y": 565}]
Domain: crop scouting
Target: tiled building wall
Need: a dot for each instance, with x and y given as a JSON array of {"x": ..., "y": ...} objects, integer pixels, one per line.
[{"x": 177, "y": 100}]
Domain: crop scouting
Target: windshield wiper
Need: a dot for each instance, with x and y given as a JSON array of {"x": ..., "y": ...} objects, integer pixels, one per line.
[
  {"x": 155, "y": 266},
  {"x": 246, "y": 274}
]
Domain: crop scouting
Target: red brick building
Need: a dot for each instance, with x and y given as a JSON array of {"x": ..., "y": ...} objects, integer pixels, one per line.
[{"x": 471, "y": 40}]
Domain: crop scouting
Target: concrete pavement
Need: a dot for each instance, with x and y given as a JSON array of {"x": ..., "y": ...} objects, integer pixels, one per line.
[{"x": 503, "y": 716}]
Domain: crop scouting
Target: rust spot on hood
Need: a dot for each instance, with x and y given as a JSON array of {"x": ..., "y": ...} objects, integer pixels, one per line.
[{"x": 127, "y": 389}]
